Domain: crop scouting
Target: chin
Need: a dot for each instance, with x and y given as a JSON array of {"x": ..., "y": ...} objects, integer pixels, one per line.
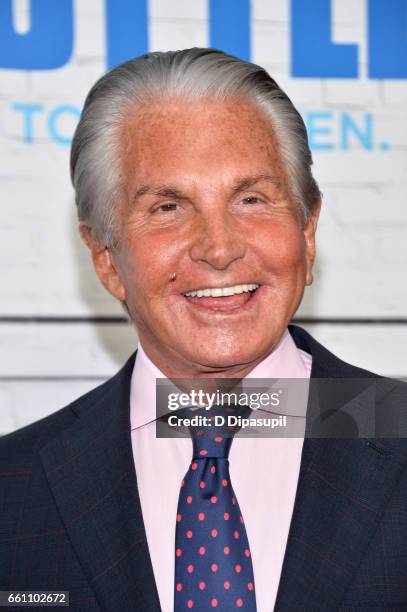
[{"x": 226, "y": 359}]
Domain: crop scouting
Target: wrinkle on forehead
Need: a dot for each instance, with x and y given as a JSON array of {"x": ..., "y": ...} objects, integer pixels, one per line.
[{"x": 164, "y": 129}]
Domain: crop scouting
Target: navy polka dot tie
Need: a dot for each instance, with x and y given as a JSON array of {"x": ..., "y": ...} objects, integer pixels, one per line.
[{"x": 213, "y": 566}]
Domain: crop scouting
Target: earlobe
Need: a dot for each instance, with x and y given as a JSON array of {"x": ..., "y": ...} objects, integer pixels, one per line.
[
  {"x": 309, "y": 234},
  {"x": 309, "y": 279},
  {"x": 103, "y": 262},
  {"x": 108, "y": 274}
]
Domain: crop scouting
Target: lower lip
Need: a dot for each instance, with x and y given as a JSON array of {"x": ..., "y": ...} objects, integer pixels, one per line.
[{"x": 226, "y": 304}]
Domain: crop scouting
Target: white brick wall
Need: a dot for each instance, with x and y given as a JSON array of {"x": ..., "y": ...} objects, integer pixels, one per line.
[{"x": 46, "y": 271}]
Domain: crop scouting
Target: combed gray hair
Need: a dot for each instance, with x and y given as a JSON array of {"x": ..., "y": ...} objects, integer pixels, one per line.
[{"x": 189, "y": 73}]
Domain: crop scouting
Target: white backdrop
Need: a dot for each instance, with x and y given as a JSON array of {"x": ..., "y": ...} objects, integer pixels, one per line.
[{"x": 61, "y": 333}]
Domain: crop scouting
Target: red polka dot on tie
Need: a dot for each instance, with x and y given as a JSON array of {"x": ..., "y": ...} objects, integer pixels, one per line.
[
  {"x": 202, "y": 485},
  {"x": 226, "y": 584},
  {"x": 218, "y": 439},
  {"x": 214, "y": 533},
  {"x": 214, "y": 567},
  {"x": 213, "y": 469},
  {"x": 214, "y": 499},
  {"x": 202, "y": 550},
  {"x": 190, "y": 569},
  {"x": 225, "y": 482},
  {"x": 189, "y": 534},
  {"x": 179, "y": 586},
  {"x": 214, "y": 602},
  {"x": 239, "y": 602},
  {"x": 226, "y": 516},
  {"x": 250, "y": 586},
  {"x": 190, "y": 603},
  {"x": 200, "y": 432},
  {"x": 203, "y": 452},
  {"x": 182, "y": 483},
  {"x": 226, "y": 550},
  {"x": 201, "y": 516},
  {"x": 202, "y": 585},
  {"x": 189, "y": 499},
  {"x": 238, "y": 568},
  {"x": 178, "y": 552},
  {"x": 178, "y": 518},
  {"x": 236, "y": 534},
  {"x": 247, "y": 552},
  {"x": 234, "y": 501},
  {"x": 194, "y": 465}
]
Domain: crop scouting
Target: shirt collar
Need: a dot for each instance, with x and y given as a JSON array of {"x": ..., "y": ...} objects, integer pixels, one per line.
[{"x": 286, "y": 361}]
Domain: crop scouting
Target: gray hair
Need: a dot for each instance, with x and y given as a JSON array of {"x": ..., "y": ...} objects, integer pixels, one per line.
[{"x": 197, "y": 73}]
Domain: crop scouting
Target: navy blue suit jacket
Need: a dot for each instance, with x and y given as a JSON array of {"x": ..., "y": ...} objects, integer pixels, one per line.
[{"x": 70, "y": 516}]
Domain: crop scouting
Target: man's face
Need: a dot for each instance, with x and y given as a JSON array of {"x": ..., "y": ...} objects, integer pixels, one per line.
[{"x": 207, "y": 202}]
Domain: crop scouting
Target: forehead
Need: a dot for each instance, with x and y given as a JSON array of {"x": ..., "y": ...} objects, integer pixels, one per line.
[{"x": 208, "y": 137}]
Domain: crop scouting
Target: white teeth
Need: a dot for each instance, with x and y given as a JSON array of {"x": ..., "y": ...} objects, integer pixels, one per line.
[{"x": 221, "y": 291}]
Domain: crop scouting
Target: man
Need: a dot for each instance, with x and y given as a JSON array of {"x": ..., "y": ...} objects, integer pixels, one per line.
[{"x": 197, "y": 202}]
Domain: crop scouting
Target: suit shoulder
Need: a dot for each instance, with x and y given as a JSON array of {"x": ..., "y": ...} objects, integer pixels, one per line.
[
  {"x": 326, "y": 364},
  {"x": 22, "y": 444}
]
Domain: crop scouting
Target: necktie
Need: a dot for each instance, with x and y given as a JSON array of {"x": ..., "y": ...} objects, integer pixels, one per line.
[{"x": 213, "y": 566}]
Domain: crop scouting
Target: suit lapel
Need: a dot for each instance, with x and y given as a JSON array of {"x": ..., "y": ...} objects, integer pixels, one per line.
[
  {"x": 90, "y": 470},
  {"x": 344, "y": 486}
]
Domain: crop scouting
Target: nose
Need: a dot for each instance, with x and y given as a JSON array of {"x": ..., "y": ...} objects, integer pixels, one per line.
[{"x": 217, "y": 240}]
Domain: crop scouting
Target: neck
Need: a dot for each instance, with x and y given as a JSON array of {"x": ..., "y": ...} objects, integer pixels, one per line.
[{"x": 172, "y": 367}]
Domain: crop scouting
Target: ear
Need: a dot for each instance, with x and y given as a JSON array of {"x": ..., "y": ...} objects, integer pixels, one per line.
[
  {"x": 103, "y": 262},
  {"x": 310, "y": 229}
]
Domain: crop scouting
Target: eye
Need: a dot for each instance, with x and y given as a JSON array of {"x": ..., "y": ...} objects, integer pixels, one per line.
[
  {"x": 167, "y": 207},
  {"x": 251, "y": 200}
]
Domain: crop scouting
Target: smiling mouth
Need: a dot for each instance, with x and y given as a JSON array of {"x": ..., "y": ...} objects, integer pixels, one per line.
[
  {"x": 222, "y": 298},
  {"x": 222, "y": 291}
]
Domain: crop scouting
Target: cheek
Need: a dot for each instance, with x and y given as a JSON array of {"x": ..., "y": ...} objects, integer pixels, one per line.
[
  {"x": 147, "y": 273},
  {"x": 283, "y": 252}
]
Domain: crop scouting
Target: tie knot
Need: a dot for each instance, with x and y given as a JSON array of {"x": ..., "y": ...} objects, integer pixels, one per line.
[
  {"x": 206, "y": 446},
  {"x": 213, "y": 436}
]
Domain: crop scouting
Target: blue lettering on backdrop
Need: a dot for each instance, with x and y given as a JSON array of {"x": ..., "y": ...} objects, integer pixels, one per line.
[
  {"x": 387, "y": 45},
  {"x": 322, "y": 127},
  {"x": 316, "y": 129},
  {"x": 229, "y": 26},
  {"x": 28, "y": 111},
  {"x": 349, "y": 128},
  {"x": 53, "y": 117},
  {"x": 49, "y": 42},
  {"x": 126, "y": 30},
  {"x": 327, "y": 131},
  {"x": 313, "y": 54}
]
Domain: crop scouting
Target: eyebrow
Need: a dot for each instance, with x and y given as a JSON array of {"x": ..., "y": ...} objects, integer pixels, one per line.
[
  {"x": 165, "y": 191},
  {"x": 169, "y": 191},
  {"x": 250, "y": 181}
]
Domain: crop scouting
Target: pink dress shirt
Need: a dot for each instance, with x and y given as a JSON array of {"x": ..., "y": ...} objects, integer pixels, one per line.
[{"x": 161, "y": 463}]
